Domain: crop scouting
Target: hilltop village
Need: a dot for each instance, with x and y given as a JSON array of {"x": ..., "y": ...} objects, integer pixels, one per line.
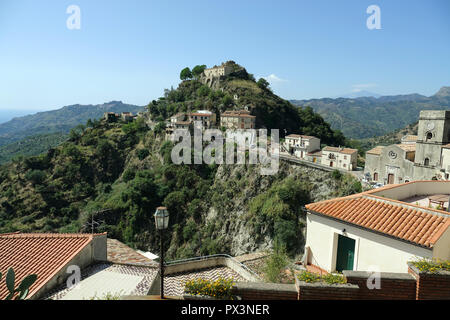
[{"x": 309, "y": 232}]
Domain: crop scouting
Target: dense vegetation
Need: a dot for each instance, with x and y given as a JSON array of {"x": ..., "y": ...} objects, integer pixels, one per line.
[
  {"x": 370, "y": 117},
  {"x": 270, "y": 110},
  {"x": 32, "y": 145},
  {"x": 118, "y": 173}
]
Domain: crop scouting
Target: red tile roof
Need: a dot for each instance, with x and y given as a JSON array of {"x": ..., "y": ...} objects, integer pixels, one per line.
[
  {"x": 340, "y": 150},
  {"x": 407, "y": 222},
  {"x": 120, "y": 253},
  {"x": 44, "y": 254},
  {"x": 294, "y": 135},
  {"x": 377, "y": 150}
]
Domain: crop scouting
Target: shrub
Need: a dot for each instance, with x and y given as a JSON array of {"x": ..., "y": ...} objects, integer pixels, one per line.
[
  {"x": 276, "y": 263},
  {"x": 142, "y": 154},
  {"x": 36, "y": 176},
  {"x": 220, "y": 288},
  {"x": 129, "y": 175},
  {"x": 308, "y": 277},
  {"x": 327, "y": 278},
  {"x": 431, "y": 265},
  {"x": 333, "y": 278},
  {"x": 336, "y": 174}
]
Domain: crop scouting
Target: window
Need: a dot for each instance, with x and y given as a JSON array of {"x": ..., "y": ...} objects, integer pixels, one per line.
[
  {"x": 427, "y": 161},
  {"x": 429, "y": 135}
]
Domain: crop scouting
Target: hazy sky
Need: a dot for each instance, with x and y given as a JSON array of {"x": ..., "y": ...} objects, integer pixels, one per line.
[{"x": 132, "y": 50}]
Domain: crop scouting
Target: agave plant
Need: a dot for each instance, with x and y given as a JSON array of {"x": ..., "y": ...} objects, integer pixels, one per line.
[{"x": 22, "y": 289}]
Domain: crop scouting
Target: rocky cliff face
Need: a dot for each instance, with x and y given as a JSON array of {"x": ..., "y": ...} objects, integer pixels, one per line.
[{"x": 231, "y": 219}]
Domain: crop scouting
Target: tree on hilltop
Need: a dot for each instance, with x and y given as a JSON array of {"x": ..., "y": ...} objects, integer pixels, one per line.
[
  {"x": 186, "y": 74},
  {"x": 198, "y": 70}
]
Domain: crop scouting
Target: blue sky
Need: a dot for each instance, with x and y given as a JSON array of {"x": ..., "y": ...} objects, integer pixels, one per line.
[{"x": 132, "y": 50}]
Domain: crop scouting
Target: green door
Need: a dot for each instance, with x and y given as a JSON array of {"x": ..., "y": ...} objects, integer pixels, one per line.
[{"x": 345, "y": 253}]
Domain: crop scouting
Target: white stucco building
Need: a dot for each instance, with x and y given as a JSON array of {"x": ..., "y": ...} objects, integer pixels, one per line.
[
  {"x": 381, "y": 229},
  {"x": 239, "y": 119},
  {"x": 342, "y": 158},
  {"x": 300, "y": 145}
]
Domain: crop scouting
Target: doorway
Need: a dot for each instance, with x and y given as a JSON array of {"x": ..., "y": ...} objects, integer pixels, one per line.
[
  {"x": 390, "y": 178},
  {"x": 345, "y": 253}
]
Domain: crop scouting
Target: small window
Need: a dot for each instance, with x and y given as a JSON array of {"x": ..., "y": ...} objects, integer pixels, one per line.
[
  {"x": 427, "y": 161},
  {"x": 429, "y": 135}
]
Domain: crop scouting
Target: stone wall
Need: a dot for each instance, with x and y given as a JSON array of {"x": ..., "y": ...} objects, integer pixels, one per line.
[
  {"x": 265, "y": 291},
  {"x": 392, "y": 286},
  {"x": 431, "y": 286}
]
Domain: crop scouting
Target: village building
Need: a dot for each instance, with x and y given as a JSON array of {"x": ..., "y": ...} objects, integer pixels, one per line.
[
  {"x": 301, "y": 146},
  {"x": 241, "y": 119},
  {"x": 314, "y": 156},
  {"x": 48, "y": 256},
  {"x": 398, "y": 160},
  {"x": 181, "y": 116},
  {"x": 421, "y": 157},
  {"x": 203, "y": 119},
  {"x": 340, "y": 158},
  {"x": 111, "y": 116},
  {"x": 380, "y": 230},
  {"x": 127, "y": 116},
  {"x": 218, "y": 71}
]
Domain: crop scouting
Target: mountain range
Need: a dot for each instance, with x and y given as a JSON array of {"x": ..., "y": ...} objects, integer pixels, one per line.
[
  {"x": 36, "y": 133},
  {"x": 367, "y": 117},
  {"x": 61, "y": 120}
]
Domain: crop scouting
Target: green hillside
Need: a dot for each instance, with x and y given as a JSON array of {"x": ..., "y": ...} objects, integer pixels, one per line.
[
  {"x": 119, "y": 173},
  {"x": 61, "y": 120},
  {"x": 30, "y": 146}
]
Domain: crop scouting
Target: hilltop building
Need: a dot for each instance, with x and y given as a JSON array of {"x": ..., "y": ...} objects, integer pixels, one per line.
[
  {"x": 203, "y": 119},
  {"x": 301, "y": 146},
  {"x": 341, "y": 158},
  {"x": 241, "y": 119},
  {"x": 383, "y": 228},
  {"x": 218, "y": 71},
  {"x": 421, "y": 157}
]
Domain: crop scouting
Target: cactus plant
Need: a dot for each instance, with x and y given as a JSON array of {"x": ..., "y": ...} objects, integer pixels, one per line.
[{"x": 22, "y": 289}]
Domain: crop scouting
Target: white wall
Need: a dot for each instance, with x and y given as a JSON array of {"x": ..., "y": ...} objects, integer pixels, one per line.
[{"x": 371, "y": 249}]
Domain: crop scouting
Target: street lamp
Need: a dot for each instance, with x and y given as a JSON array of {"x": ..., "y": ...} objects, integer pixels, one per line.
[{"x": 161, "y": 222}]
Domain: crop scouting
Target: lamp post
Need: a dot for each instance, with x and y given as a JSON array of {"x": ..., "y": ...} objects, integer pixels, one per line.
[{"x": 161, "y": 222}]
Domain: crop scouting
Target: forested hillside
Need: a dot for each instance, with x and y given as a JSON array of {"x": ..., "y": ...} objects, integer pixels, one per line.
[
  {"x": 56, "y": 121},
  {"x": 118, "y": 173}
]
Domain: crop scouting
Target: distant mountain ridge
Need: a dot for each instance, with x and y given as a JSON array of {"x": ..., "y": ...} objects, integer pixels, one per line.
[
  {"x": 368, "y": 117},
  {"x": 61, "y": 120}
]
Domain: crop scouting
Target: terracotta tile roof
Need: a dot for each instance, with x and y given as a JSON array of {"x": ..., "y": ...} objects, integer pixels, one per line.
[
  {"x": 43, "y": 254},
  {"x": 120, "y": 253},
  {"x": 410, "y": 138},
  {"x": 407, "y": 147},
  {"x": 316, "y": 153},
  {"x": 240, "y": 113},
  {"x": 299, "y": 136},
  {"x": 182, "y": 123},
  {"x": 201, "y": 114},
  {"x": 340, "y": 150},
  {"x": 400, "y": 220},
  {"x": 377, "y": 150}
]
